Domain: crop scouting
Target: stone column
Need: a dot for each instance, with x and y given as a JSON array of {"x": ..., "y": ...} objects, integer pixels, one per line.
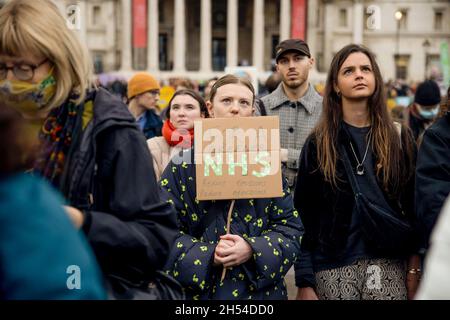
[
  {"x": 232, "y": 33},
  {"x": 311, "y": 28},
  {"x": 110, "y": 58},
  {"x": 83, "y": 22},
  {"x": 153, "y": 36},
  {"x": 180, "y": 37},
  {"x": 205, "y": 36},
  {"x": 126, "y": 35},
  {"x": 358, "y": 20},
  {"x": 328, "y": 24},
  {"x": 285, "y": 20},
  {"x": 258, "y": 35}
]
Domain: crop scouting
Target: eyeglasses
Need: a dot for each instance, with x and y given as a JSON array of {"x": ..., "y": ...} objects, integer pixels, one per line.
[
  {"x": 154, "y": 93},
  {"x": 23, "y": 71}
]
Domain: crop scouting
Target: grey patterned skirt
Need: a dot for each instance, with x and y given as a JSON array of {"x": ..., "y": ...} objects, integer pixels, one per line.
[{"x": 366, "y": 279}]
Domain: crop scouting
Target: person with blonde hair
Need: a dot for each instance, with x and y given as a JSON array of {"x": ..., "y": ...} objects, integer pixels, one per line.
[{"x": 90, "y": 147}]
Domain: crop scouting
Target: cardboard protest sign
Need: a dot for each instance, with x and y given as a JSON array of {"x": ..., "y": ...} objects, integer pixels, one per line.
[{"x": 237, "y": 158}]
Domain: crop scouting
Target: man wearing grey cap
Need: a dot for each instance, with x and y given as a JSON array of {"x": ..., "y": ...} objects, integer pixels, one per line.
[{"x": 295, "y": 101}]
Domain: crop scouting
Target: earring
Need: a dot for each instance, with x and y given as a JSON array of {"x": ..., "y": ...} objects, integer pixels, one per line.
[{"x": 338, "y": 93}]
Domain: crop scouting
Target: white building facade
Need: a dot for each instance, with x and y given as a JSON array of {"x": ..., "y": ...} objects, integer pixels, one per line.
[
  {"x": 407, "y": 48},
  {"x": 198, "y": 38}
]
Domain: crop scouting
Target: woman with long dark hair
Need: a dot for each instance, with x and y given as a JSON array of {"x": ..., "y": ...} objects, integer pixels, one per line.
[{"x": 356, "y": 165}]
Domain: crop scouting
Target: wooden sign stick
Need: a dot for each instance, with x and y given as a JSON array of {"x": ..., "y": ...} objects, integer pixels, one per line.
[{"x": 228, "y": 232}]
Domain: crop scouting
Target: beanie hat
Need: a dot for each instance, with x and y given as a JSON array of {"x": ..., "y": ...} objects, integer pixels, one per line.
[
  {"x": 141, "y": 82},
  {"x": 428, "y": 94}
]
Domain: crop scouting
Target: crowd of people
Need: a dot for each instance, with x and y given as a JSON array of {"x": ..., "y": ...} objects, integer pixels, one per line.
[{"x": 88, "y": 179}]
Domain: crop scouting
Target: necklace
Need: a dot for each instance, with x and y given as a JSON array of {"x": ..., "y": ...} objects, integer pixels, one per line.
[{"x": 359, "y": 166}]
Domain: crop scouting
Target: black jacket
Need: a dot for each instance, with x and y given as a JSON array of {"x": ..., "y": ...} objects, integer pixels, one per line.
[
  {"x": 128, "y": 222},
  {"x": 153, "y": 126},
  {"x": 433, "y": 175},
  {"x": 326, "y": 211},
  {"x": 417, "y": 124}
]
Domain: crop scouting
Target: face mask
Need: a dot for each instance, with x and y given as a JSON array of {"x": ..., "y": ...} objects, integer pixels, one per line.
[
  {"x": 428, "y": 114},
  {"x": 28, "y": 98}
]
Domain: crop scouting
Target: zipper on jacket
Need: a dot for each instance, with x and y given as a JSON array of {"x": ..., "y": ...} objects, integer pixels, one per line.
[{"x": 91, "y": 194}]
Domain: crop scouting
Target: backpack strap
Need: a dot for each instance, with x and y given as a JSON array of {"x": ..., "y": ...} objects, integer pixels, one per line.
[{"x": 262, "y": 108}]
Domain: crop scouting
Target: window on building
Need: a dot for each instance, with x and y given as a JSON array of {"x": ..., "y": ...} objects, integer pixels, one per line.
[
  {"x": 438, "y": 17},
  {"x": 98, "y": 62},
  {"x": 219, "y": 54},
  {"x": 433, "y": 67},
  {"x": 367, "y": 16},
  {"x": 96, "y": 15},
  {"x": 342, "y": 17},
  {"x": 401, "y": 66}
]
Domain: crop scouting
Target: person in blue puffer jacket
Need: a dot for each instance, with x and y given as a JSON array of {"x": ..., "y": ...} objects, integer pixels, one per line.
[{"x": 42, "y": 255}]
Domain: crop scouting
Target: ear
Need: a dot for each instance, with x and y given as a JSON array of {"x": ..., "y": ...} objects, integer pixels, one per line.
[
  {"x": 278, "y": 69},
  {"x": 336, "y": 88},
  {"x": 311, "y": 62},
  {"x": 209, "y": 106}
]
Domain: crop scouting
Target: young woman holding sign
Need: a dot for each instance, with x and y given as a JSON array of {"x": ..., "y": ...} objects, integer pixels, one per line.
[
  {"x": 355, "y": 191},
  {"x": 184, "y": 108},
  {"x": 264, "y": 239}
]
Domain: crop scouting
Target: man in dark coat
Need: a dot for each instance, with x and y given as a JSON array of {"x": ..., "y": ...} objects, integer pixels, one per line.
[
  {"x": 433, "y": 174},
  {"x": 421, "y": 114}
]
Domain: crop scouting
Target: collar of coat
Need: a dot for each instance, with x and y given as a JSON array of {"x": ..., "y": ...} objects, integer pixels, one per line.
[{"x": 309, "y": 101}]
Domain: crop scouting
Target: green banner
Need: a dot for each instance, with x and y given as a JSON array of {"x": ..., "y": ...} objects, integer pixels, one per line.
[{"x": 445, "y": 63}]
